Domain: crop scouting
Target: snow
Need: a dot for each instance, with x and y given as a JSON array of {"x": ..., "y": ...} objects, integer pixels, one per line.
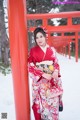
[
  {"x": 6, "y": 96},
  {"x": 55, "y": 20},
  {"x": 70, "y": 71}
]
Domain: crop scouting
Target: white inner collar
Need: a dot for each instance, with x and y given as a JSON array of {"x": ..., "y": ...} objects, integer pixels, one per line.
[{"x": 44, "y": 48}]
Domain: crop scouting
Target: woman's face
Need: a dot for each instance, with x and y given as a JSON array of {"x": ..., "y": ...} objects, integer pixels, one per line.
[{"x": 40, "y": 39}]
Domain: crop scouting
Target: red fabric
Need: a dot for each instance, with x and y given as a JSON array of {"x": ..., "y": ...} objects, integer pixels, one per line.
[
  {"x": 35, "y": 71},
  {"x": 37, "y": 55},
  {"x": 52, "y": 82},
  {"x": 36, "y": 114}
]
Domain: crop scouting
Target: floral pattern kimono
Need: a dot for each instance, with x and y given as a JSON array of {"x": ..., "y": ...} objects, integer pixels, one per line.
[{"x": 46, "y": 92}]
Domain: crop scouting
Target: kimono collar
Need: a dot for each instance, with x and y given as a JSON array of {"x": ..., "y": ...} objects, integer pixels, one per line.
[{"x": 44, "y": 48}]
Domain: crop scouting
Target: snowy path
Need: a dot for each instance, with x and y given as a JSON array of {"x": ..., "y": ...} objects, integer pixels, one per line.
[{"x": 70, "y": 71}]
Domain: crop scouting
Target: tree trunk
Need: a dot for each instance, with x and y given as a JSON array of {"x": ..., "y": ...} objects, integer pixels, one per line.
[{"x": 4, "y": 43}]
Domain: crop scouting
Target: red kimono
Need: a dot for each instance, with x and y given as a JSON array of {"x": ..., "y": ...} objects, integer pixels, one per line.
[{"x": 46, "y": 92}]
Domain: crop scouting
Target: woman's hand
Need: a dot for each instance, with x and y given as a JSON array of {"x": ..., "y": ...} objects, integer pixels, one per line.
[
  {"x": 47, "y": 76},
  {"x": 55, "y": 74}
]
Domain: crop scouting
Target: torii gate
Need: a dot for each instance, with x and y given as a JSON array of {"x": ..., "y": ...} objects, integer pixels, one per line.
[{"x": 19, "y": 53}]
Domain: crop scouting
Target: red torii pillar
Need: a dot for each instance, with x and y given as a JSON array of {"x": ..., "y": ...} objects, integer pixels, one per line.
[
  {"x": 19, "y": 54},
  {"x": 76, "y": 47}
]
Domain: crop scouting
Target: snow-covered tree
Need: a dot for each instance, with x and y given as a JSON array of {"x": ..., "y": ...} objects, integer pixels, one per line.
[{"x": 4, "y": 43}]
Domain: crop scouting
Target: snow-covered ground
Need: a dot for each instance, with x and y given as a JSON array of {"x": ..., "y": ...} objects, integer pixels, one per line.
[
  {"x": 70, "y": 71},
  {"x": 6, "y": 97}
]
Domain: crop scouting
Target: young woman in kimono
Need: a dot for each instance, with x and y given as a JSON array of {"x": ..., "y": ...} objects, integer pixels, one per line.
[{"x": 45, "y": 73}]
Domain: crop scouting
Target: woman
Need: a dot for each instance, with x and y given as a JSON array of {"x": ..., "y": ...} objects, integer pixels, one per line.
[{"x": 45, "y": 73}]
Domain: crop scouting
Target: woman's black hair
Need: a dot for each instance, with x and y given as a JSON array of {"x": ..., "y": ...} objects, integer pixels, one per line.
[{"x": 39, "y": 29}]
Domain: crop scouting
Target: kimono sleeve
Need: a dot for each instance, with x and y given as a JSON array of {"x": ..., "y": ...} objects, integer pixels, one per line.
[
  {"x": 56, "y": 64},
  {"x": 33, "y": 70}
]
